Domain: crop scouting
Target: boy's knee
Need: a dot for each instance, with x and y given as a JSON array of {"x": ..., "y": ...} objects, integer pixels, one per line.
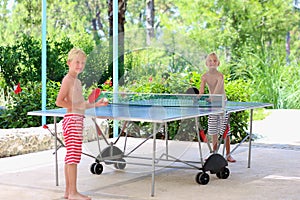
[{"x": 73, "y": 158}]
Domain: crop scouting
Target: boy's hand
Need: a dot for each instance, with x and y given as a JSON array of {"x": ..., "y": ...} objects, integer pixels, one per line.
[{"x": 102, "y": 102}]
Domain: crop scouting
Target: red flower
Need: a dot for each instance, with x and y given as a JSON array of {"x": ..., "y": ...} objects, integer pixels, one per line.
[
  {"x": 150, "y": 79},
  {"x": 45, "y": 126},
  {"x": 108, "y": 82},
  {"x": 17, "y": 89}
]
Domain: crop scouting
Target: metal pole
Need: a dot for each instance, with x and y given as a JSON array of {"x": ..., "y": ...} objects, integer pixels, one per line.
[
  {"x": 153, "y": 160},
  {"x": 56, "y": 158},
  {"x": 44, "y": 58},
  {"x": 250, "y": 138},
  {"x": 115, "y": 56}
]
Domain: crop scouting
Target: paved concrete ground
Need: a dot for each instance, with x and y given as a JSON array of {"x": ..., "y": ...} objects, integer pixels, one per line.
[{"x": 274, "y": 172}]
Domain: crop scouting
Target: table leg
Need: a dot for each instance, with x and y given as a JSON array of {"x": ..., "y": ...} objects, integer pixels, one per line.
[
  {"x": 55, "y": 144},
  {"x": 153, "y": 159},
  {"x": 167, "y": 140},
  {"x": 250, "y": 137}
]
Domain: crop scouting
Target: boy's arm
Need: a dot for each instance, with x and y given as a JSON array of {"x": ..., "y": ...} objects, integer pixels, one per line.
[
  {"x": 219, "y": 89},
  {"x": 202, "y": 85},
  {"x": 100, "y": 102},
  {"x": 62, "y": 96}
]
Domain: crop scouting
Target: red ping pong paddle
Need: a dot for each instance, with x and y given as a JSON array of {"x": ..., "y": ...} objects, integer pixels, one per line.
[
  {"x": 226, "y": 132},
  {"x": 94, "y": 95},
  {"x": 203, "y": 136}
]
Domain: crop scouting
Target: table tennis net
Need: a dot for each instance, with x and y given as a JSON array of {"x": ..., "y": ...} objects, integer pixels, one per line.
[{"x": 164, "y": 100}]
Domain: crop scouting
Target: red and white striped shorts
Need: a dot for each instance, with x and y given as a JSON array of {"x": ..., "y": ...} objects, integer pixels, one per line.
[{"x": 72, "y": 130}]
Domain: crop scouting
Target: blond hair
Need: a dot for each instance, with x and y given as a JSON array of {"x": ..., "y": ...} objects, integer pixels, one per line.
[
  {"x": 75, "y": 52},
  {"x": 213, "y": 55}
]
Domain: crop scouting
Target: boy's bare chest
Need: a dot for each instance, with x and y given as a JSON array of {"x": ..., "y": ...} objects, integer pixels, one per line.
[
  {"x": 76, "y": 92},
  {"x": 212, "y": 80}
]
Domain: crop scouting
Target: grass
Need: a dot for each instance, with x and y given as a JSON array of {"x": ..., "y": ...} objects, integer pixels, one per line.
[
  {"x": 2, "y": 97},
  {"x": 261, "y": 113}
]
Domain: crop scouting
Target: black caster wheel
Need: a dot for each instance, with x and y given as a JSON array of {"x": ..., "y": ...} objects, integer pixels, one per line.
[
  {"x": 224, "y": 174},
  {"x": 92, "y": 168},
  {"x": 96, "y": 168},
  {"x": 121, "y": 164},
  {"x": 202, "y": 178}
]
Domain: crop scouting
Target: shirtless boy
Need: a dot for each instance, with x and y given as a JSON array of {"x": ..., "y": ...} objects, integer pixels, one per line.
[
  {"x": 215, "y": 82},
  {"x": 70, "y": 96}
]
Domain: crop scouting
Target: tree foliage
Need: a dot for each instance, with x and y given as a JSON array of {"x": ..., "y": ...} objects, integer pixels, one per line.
[{"x": 21, "y": 62}]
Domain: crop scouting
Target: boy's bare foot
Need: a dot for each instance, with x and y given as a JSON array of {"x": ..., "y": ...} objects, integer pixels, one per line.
[
  {"x": 230, "y": 159},
  {"x": 78, "y": 196},
  {"x": 66, "y": 196}
]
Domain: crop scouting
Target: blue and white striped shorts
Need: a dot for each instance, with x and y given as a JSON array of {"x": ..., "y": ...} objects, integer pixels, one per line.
[{"x": 217, "y": 124}]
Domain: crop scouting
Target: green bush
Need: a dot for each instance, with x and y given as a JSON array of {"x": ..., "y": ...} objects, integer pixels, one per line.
[
  {"x": 21, "y": 62},
  {"x": 15, "y": 114},
  {"x": 272, "y": 79},
  {"x": 238, "y": 90}
]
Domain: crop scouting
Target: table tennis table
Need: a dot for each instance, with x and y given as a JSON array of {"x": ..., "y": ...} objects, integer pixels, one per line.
[{"x": 158, "y": 113}]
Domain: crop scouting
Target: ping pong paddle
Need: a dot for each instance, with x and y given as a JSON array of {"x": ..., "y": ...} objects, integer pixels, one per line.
[
  {"x": 192, "y": 90},
  {"x": 226, "y": 131},
  {"x": 94, "y": 95},
  {"x": 203, "y": 136}
]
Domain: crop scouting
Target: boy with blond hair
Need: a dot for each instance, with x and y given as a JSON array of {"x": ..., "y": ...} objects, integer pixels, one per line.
[
  {"x": 215, "y": 82},
  {"x": 70, "y": 96}
]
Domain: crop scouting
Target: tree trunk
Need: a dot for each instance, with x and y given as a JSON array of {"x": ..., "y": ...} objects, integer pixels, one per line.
[
  {"x": 122, "y": 4},
  {"x": 94, "y": 9},
  {"x": 150, "y": 20}
]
